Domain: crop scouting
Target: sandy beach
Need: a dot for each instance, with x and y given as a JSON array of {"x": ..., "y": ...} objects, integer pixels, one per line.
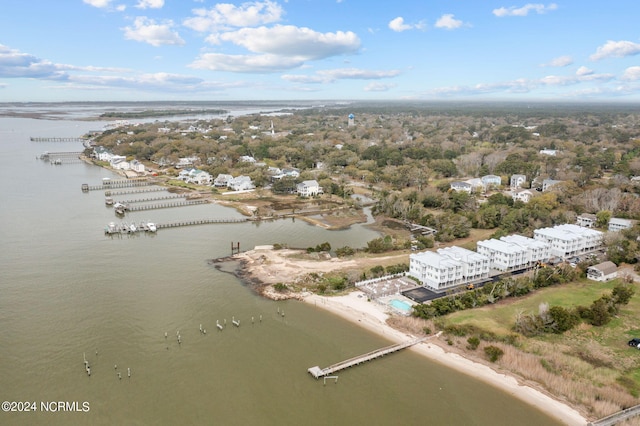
[
  {"x": 263, "y": 264},
  {"x": 354, "y": 307}
]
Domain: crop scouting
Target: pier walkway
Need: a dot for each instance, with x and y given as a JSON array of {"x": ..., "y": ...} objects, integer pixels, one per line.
[
  {"x": 126, "y": 228},
  {"x": 116, "y": 184},
  {"x": 57, "y": 139},
  {"x": 136, "y": 191},
  {"x": 318, "y": 372},
  {"x": 165, "y": 205},
  {"x": 145, "y": 200}
]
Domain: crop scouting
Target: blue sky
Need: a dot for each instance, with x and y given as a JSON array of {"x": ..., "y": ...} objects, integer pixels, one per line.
[{"x": 136, "y": 50}]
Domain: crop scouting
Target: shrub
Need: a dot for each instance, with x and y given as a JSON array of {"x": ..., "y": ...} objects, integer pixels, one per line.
[
  {"x": 344, "y": 251},
  {"x": 280, "y": 287},
  {"x": 493, "y": 353},
  {"x": 473, "y": 343}
]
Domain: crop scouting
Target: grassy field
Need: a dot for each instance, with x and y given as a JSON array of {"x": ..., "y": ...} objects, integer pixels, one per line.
[{"x": 591, "y": 367}]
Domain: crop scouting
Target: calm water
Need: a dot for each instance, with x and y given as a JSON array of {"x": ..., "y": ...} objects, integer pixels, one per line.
[{"x": 66, "y": 290}]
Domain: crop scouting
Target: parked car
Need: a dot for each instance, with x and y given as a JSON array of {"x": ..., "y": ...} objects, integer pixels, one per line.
[{"x": 635, "y": 342}]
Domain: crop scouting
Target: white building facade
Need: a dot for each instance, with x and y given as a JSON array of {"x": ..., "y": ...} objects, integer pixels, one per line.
[{"x": 570, "y": 240}]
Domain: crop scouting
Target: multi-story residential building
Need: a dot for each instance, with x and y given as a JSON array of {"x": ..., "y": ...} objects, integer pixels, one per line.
[
  {"x": 617, "y": 224},
  {"x": 435, "y": 271},
  {"x": 514, "y": 252},
  {"x": 475, "y": 266},
  {"x": 569, "y": 240},
  {"x": 586, "y": 220},
  {"x": 517, "y": 181}
]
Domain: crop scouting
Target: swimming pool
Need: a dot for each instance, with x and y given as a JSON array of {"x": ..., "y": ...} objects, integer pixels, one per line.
[{"x": 400, "y": 305}]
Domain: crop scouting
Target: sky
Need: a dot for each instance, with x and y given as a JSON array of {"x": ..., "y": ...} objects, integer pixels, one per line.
[{"x": 154, "y": 50}]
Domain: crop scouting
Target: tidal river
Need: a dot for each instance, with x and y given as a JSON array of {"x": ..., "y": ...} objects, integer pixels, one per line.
[{"x": 69, "y": 293}]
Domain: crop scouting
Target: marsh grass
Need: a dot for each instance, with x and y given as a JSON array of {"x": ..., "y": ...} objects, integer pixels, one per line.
[{"x": 591, "y": 368}]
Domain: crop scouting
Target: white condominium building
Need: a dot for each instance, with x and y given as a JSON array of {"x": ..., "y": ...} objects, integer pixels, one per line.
[
  {"x": 569, "y": 240},
  {"x": 448, "y": 267},
  {"x": 435, "y": 271},
  {"x": 514, "y": 252},
  {"x": 475, "y": 266}
]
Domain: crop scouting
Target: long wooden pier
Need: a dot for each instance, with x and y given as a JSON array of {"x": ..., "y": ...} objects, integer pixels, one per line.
[
  {"x": 116, "y": 184},
  {"x": 145, "y": 200},
  {"x": 318, "y": 372},
  {"x": 125, "y": 228},
  {"x": 135, "y": 191},
  {"x": 165, "y": 205},
  {"x": 57, "y": 139}
]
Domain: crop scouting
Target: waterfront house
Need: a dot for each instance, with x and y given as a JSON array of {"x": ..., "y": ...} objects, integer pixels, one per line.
[
  {"x": 222, "y": 180},
  {"x": 241, "y": 183},
  {"x": 308, "y": 188}
]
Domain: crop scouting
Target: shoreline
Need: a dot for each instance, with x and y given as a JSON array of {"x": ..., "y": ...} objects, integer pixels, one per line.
[
  {"x": 263, "y": 267},
  {"x": 372, "y": 318}
]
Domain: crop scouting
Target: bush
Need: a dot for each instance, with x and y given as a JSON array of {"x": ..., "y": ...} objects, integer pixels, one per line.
[
  {"x": 344, "y": 251},
  {"x": 280, "y": 287},
  {"x": 473, "y": 343},
  {"x": 493, "y": 353}
]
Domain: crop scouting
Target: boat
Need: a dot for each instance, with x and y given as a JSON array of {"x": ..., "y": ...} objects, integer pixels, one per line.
[
  {"x": 132, "y": 228},
  {"x": 151, "y": 227},
  {"x": 108, "y": 201},
  {"x": 111, "y": 228}
]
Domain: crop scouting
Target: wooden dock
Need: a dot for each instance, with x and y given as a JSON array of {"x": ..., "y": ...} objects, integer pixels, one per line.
[
  {"x": 146, "y": 200},
  {"x": 116, "y": 184},
  {"x": 165, "y": 205},
  {"x": 57, "y": 139},
  {"x": 135, "y": 191},
  {"x": 125, "y": 228},
  {"x": 318, "y": 372}
]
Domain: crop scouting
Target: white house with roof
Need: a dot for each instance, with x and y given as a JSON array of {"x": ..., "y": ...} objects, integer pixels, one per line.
[
  {"x": 435, "y": 271},
  {"x": 519, "y": 194},
  {"x": 516, "y": 181},
  {"x": 101, "y": 153},
  {"x": 604, "y": 271},
  {"x": 475, "y": 266},
  {"x": 137, "y": 166},
  {"x": 491, "y": 181},
  {"x": 513, "y": 252},
  {"x": 308, "y": 188},
  {"x": 618, "y": 224},
  {"x": 187, "y": 161},
  {"x": 222, "y": 180},
  {"x": 247, "y": 159},
  {"x": 119, "y": 162},
  {"x": 548, "y": 184},
  {"x": 549, "y": 152},
  {"x": 570, "y": 240},
  {"x": 198, "y": 177},
  {"x": 241, "y": 183},
  {"x": 460, "y": 186},
  {"x": 586, "y": 220}
]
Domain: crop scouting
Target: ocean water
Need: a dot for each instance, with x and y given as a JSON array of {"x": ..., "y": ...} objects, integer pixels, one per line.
[{"x": 68, "y": 292}]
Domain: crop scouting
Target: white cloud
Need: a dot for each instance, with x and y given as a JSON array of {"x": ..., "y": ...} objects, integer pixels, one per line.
[
  {"x": 448, "y": 22},
  {"x": 290, "y": 41},
  {"x": 378, "y": 87},
  {"x": 523, "y": 85},
  {"x": 148, "y": 31},
  {"x": 631, "y": 74},
  {"x": 616, "y": 49},
  {"x": 15, "y": 64},
  {"x": 150, "y": 4},
  {"x": 398, "y": 25},
  {"x": 330, "y": 76},
  {"x": 524, "y": 10},
  {"x": 245, "y": 63},
  {"x": 582, "y": 71},
  {"x": 561, "y": 61},
  {"x": 98, "y": 3},
  {"x": 224, "y": 16}
]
